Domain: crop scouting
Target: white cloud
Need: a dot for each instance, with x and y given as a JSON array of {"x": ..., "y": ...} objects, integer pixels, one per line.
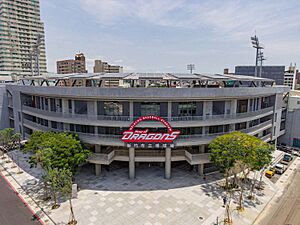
[{"x": 235, "y": 19}]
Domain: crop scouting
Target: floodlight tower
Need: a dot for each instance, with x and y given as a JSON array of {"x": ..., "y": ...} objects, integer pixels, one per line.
[
  {"x": 261, "y": 58},
  {"x": 258, "y": 47},
  {"x": 190, "y": 67}
]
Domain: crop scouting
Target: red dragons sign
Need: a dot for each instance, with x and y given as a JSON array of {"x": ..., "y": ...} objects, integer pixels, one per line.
[{"x": 143, "y": 136}]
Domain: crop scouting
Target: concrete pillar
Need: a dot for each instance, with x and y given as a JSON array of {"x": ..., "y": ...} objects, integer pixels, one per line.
[
  {"x": 131, "y": 163},
  {"x": 65, "y": 106},
  {"x": 73, "y": 106},
  {"x": 131, "y": 110},
  {"x": 168, "y": 163},
  {"x": 97, "y": 169},
  {"x": 200, "y": 169},
  {"x": 201, "y": 149},
  {"x": 169, "y": 111},
  {"x": 97, "y": 148}
]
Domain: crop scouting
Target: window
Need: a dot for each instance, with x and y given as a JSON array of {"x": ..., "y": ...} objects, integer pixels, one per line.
[
  {"x": 80, "y": 107},
  {"x": 148, "y": 108},
  {"x": 298, "y": 102},
  {"x": 187, "y": 109},
  {"x": 113, "y": 109},
  {"x": 242, "y": 106},
  {"x": 218, "y": 107}
]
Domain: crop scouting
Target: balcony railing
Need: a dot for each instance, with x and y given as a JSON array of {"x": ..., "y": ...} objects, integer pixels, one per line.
[
  {"x": 127, "y": 118},
  {"x": 90, "y": 137}
]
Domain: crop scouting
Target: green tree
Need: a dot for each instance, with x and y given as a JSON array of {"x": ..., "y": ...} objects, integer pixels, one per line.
[
  {"x": 9, "y": 140},
  {"x": 53, "y": 177},
  {"x": 66, "y": 190},
  {"x": 56, "y": 150},
  {"x": 223, "y": 153},
  {"x": 239, "y": 153}
]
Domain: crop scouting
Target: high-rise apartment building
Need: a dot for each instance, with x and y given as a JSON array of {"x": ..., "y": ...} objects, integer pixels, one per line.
[
  {"x": 68, "y": 66},
  {"x": 104, "y": 67},
  {"x": 22, "y": 47}
]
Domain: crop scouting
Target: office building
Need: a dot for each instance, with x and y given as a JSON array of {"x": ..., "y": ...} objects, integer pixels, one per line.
[
  {"x": 104, "y": 67},
  {"x": 162, "y": 119},
  {"x": 22, "y": 48},
  {"x": 272, "y": 72},
  {"x": 291, "y": 120},
  {"x": 290, "y": 77},
  {"x": 69, "y": 66}
]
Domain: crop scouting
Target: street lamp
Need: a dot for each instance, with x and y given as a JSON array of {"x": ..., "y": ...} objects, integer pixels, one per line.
[{"x": 258, "y": 47}]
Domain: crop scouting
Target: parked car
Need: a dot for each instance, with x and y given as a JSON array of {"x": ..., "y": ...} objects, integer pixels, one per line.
[
  {"x": 270, "y": 173},
  {"x": 279, "y": 168},
  {"x": 287, "y": 157}
]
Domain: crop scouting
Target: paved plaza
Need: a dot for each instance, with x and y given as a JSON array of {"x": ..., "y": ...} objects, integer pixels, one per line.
[{"x": 113, "y": 199}]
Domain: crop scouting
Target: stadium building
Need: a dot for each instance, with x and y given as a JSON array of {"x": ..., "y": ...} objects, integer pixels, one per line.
[{"x": 161, "y": 119}]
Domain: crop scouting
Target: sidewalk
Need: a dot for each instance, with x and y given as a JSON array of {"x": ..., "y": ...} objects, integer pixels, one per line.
[
  {"x": 11, "y": 177},
  {"x": 150, "y": 199}
]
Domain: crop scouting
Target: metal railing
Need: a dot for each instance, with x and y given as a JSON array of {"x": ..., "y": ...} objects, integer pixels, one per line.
[
  {"x": 87, "y": 136},
  {"x": 128, "y": 118}
]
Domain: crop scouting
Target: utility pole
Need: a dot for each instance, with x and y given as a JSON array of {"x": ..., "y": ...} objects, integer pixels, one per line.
[
  {"x": 258, "y": 47},
  {"x": 190, "y": 67}
]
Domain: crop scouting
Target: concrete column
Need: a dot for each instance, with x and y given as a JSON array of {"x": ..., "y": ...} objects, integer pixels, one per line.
[
  {"x": 73, "y": 107},
  {"x": 131, "y": 163},
  {"x": 201, "y": 149},
  {"x": 97, "y": 169},
  {"x": 168, "y": 163},
  {"x": 65, "y": 106},
  {"x": 169, "y": 111},
  {"x": 204, "y": 109},
  {"x": 49, "y": 104},
  {"x": 131, "y": 110},
  {"x": 200, "y": 169},
  {"x": 97, "y": 148}
]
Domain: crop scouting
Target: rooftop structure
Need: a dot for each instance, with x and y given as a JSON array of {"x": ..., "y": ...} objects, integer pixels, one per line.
[{"x": 148, "y": 80}]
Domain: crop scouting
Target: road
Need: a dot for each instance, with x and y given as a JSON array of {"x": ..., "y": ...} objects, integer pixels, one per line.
[
  {"x": 286, "y": 209},
  {"x": 12, "y": 210}
]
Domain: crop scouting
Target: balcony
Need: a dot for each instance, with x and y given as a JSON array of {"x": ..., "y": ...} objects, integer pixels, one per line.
[
  {"x": 149, "y": 156},
  {"x": 125, "y": 121}
]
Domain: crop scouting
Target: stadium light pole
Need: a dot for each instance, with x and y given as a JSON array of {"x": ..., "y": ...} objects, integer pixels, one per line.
[
  {"x": 190, "y": 67},
  {"x": 258, "y": 47},
  {"x": 261, "y": 58}
]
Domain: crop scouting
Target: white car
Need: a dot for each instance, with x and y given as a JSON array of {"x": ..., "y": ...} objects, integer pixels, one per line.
[{"x": 279, "y": 168}]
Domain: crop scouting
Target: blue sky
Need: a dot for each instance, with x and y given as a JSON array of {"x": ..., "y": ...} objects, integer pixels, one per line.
[{"x": 166, "y": 35}]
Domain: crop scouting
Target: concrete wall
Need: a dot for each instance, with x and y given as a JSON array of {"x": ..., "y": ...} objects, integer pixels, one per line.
[
  {"x": 292, "y": 128},
  {"x": 4, "y": 121}
]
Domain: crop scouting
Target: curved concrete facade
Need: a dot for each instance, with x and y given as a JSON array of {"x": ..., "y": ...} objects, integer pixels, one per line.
[{"x": 99, "y": 115}]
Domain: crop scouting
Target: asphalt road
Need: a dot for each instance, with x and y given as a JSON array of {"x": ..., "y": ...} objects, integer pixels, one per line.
[
  {"x": 285, "y": 211},
  {"x": 12, "y": 210}
]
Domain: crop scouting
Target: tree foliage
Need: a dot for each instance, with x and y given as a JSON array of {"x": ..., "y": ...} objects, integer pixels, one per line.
[
  {"x": 9, "y": 140},
  {"x": 237, "y": 152},
  {"x": 56, "y": 150}
]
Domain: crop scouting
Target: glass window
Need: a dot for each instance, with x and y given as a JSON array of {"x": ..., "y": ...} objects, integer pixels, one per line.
[
  {"x": 187, "y": 109},
  {"x": 80, "y": 107},
  {"x": 148, "y": 108},
  {"x": 113, "y": 109}
]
